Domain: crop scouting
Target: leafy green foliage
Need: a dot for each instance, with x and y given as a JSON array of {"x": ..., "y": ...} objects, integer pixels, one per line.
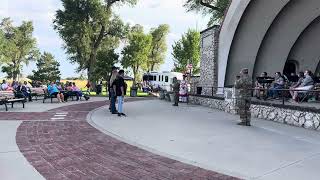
[
  {"x": 47, "y": 69},
  {"x": 187, "y": 51},
  {"x": 85, "y": 25},
  {"x": 20, "y": 46},
  {"x": 2, "y": 47},
  {"x": 105, "y": 60},
  {"x": 10, "y": 71},
  {"x": 136, "y": 53},
  {"x": 217, "y": 11},
  {"x": 158, "y": 46}
]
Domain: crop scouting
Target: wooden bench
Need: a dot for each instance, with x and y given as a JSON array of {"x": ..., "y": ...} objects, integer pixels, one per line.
[
  {"x": 48, "y": 96},
  {"x": 73, "y": 95},
  {"x": 37, "y": 92},
  {"x": 8, "y": 97}
]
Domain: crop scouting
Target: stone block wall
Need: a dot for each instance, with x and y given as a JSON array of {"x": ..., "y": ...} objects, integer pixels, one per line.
[
  {"x": 305, "y": 119},
  {"x": 209, "y": 60},
  {"x": 291, "y": 115},
  {"x": 194, "y": 83},
  {"x": 215, "y": 103}
]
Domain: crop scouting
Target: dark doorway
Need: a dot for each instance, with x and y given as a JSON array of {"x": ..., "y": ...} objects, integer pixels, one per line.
[{"x": 290, "y": 67}]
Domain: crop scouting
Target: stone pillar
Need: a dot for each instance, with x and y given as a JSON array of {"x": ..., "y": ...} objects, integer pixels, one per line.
[
  {"x": 194, "y": 83},
  {"x": 209, "y": 60}
]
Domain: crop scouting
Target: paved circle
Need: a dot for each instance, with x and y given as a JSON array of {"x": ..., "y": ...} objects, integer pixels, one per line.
[{"x": 73, "y": 149}]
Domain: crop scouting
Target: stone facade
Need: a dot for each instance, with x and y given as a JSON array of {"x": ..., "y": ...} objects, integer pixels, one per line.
[
  {"x": 291, "y": 115},
  {"x": 194, "y": 83},
  {"x": 213, "y": 102},
  {"x": 305, "y": 119},
  {"x": 209, "y": 59}
]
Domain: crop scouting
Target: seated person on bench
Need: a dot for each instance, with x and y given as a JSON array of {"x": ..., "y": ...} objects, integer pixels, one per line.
[
  {"x": 307, "y": 84},
  {"x": 77, "y": 91},
  {"x": 54, "y": 91},
  {"x": 4, "y": 86},
  {"x": 278, "y": 84},
  {"x": 297, "y": 84},
  {"x": 22, "y": 88}
]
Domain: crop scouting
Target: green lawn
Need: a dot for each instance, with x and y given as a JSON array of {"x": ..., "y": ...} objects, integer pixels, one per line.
[{"x": 104, "y": 93}]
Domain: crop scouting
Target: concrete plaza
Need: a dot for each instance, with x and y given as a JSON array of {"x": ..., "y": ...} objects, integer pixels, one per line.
[{"x": 212, "y": 140}]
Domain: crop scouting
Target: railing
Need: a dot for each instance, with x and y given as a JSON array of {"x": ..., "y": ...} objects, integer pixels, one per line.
[{"x": 283, "y": 97}]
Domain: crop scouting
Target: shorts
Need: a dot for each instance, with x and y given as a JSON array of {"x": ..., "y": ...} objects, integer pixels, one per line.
[{"x": 54, "y": 94}]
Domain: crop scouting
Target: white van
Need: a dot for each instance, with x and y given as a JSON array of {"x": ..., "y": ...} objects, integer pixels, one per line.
[{"x": 162, "y": 79}]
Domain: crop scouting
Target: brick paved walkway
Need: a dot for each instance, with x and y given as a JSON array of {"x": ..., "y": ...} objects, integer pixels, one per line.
[{"x": 72, "y": 149}]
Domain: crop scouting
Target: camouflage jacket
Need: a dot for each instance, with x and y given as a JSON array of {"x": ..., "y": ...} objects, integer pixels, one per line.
[
  {"x": 176, "y": 87},
  {"x": 244, "y": 85}
]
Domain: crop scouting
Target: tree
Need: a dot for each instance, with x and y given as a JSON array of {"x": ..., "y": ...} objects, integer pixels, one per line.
[
  {"x": 105, "y": 60},
  {"x": 47, "y": 69},
  {"x": 187, "y": 51},
  {"x": 158, "y": 46},
  {"x": 84, "y": 25},
  {"x": 215, "y": 8},
  {"x": 2, "y": 46},
  {"x": 20, "y": 47},
  {"x": 136, "y": 53}
]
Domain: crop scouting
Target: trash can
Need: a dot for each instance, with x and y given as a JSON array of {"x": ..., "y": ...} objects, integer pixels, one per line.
[
  {"x": 99, "y": 89},
  {"x": 133, "y": 92}
]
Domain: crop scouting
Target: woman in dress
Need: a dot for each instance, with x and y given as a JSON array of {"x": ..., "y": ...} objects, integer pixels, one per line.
[{"x": 183, "y": 93}]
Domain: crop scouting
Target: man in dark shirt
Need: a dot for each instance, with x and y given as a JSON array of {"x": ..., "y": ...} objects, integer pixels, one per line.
[{"x": 119, "y": 88}]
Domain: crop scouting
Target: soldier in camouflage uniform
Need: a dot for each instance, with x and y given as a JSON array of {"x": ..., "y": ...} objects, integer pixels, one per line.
[
  {"x": 176, "y": 89},
  {"x": 244, "y": 85}
]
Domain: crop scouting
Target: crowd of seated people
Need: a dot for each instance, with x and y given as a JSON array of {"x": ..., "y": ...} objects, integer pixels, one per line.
[
  {"x": 64, "y": 91},
  {"x": 59, "y": 90},
  {"x": 22, "y": 90},
  {"x": 272, "y": 88}
]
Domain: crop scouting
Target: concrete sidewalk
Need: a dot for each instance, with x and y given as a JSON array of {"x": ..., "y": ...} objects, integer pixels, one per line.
[{"x": 211, "y": 139}]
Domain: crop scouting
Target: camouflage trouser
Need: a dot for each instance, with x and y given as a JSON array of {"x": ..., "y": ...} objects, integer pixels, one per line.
[
  {"x": 176, "y": 98},
  {"x": 244, "y": 109}
]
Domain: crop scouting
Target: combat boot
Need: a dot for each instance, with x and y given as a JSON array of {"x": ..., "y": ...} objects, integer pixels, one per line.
[{"x": 242, "y": 123}]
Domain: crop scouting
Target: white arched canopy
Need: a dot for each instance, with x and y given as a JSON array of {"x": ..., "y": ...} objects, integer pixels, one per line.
[{"x": 262, "y": 35}]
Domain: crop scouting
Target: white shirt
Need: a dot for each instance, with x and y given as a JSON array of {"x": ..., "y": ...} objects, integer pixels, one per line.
[{"x": 4, "y": 86}]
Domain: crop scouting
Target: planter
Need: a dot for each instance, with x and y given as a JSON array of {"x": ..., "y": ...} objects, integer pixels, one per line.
[{"x": 133, "y": 92}]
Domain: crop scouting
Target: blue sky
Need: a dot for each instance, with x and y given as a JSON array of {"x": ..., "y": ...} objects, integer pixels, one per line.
[{"x": 149, "y": 13}]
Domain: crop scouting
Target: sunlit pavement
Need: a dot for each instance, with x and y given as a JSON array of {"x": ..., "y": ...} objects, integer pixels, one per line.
[{"x": 212, "y": 140}]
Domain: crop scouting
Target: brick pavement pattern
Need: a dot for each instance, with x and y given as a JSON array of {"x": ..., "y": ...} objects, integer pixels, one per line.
[{"x": 72, "y": 149}]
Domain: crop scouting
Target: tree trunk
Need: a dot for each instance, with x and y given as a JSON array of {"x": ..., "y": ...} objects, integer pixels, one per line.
[
  {"x": 14, "y": 72},
  {"x": 134, "y": 76},
  {"x": 91, "y": 67},
  {"x": 152, "y": 66}
]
